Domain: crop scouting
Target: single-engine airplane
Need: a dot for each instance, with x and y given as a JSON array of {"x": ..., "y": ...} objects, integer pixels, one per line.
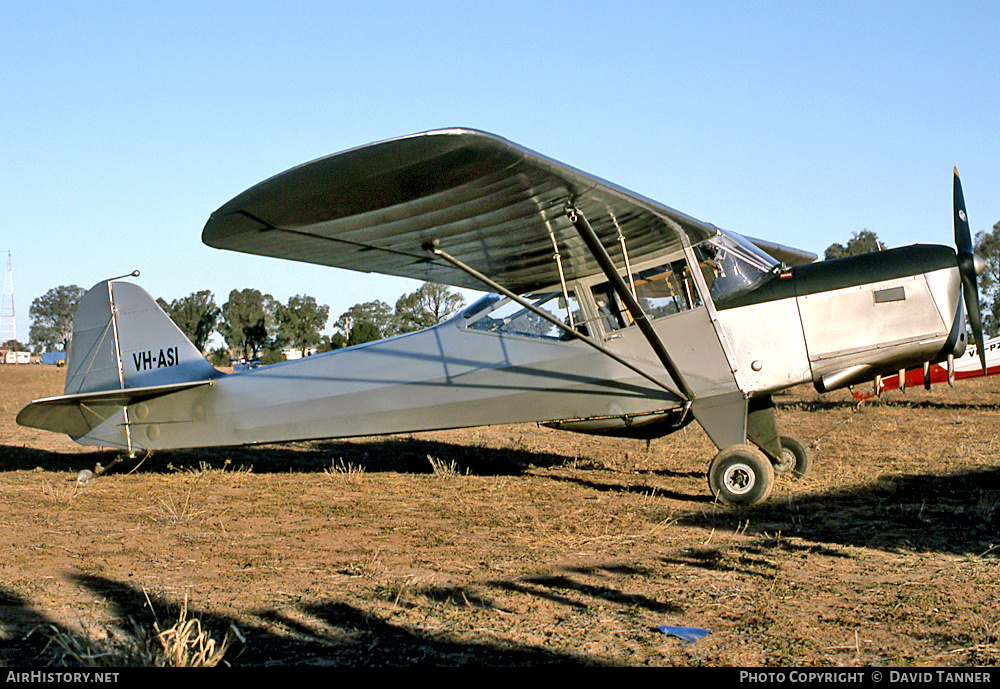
[{"x": 610, "y": 314}]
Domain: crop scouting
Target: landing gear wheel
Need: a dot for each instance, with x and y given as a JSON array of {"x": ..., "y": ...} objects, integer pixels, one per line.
[
  {"x": 740, "y": 475},
  {"x": 796, "y": 460},
  {"x": 83, "y": 478}
]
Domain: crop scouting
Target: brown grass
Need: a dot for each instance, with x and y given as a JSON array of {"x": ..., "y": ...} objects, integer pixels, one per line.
[{"x": 513, "y": 545}]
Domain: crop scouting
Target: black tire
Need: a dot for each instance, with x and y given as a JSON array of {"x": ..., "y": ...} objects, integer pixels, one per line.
[
  {"x": 796, "y": 460},
  {"x": 741, "y": 475}
]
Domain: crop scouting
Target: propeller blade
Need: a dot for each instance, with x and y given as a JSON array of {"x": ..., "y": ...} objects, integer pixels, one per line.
[
  {"x": 967, "y": 269},
  {"x": 963, "y": 238},
  {"x": 975, "y": 321}
]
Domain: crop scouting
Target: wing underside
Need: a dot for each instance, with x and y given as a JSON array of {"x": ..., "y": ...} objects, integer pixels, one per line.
[{"x": 496, "y": 206}]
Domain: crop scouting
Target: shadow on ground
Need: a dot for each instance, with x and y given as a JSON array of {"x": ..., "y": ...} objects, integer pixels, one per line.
[
  {"x": 957, "y": 513},
  {"x": 953, "y": 513},
  {"x": 329, "y": 633},
  {"x": 395, "y": 454}
]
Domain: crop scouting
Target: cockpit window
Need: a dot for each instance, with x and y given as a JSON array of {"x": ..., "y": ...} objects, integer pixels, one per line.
[
  {"x": 481, "y": 305},
  {"x": 731, "y": 265}
]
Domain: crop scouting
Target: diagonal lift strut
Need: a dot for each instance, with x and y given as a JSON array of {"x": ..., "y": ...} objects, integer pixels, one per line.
[
  {"x": 621, "y": 289},
  {"x": 432, "y": 247}
]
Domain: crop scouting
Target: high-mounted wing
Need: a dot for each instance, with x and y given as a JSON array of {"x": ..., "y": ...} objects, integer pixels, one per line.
[{"x": 496, "y": 206}]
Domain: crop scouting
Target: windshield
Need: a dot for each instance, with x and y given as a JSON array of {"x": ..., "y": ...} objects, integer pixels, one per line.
[{"x": 732, "y": 265}]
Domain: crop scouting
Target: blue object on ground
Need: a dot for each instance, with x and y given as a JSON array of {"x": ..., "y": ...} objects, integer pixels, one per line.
[
  {"x": 684, "y": 633},
  {"x": 52, "y": 358}
]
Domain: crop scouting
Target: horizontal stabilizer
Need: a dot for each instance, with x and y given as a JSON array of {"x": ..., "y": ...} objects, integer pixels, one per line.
[{"x": 77, "y": 415}]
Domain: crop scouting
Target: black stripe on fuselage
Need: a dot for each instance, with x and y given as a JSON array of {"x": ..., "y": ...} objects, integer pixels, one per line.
[{"x": 850, "y": 271}]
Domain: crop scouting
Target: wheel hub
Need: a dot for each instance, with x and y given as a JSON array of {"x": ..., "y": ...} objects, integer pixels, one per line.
[
  {"x": 739, "y": 479},
  {"x": 787, "y": 462}
]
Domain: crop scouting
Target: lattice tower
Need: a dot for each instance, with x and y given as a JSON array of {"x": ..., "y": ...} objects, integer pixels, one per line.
[{"x": 8, "y": 324}]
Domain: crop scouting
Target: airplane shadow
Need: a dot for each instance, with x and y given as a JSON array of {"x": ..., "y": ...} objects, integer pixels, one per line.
[
  {"x": 875, "y": 403},
  {"x": 957, "y": 513},
  {"x": 394, "y": 454},
  {"x": 952, "y": 513},
  {"x": 643, "y": 488},
  {"x": 932, "y": 404},
  {"x": 923, "y": 512}
]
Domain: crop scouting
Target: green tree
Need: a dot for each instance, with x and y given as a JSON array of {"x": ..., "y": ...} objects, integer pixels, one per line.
[
  {"x": 196, "y": 315},
  {"x": 52, "y": 318},
  {"x": 427, "y": 306},
  {"x": 862, "y": 242},
  {"x": 328, "y": 343},
  {"x": 301, "y": 321},
  {"x": 363, "y": 331},
  {"x": 377, "y": 313},
  {"x": 247, "y": 319},
  {"x": 219, "y": 357},
  {"x": 271, "y": 355},
  {"x": 13, "y": 346},
  {"x": 988, "y": 247}
]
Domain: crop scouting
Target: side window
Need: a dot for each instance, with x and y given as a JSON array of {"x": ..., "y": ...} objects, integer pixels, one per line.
[
  {"x": 610, "y": 312},
  {"x": 511, "y": 318},
  {"x": 666, "y": 289},
  {"x": 660, "y": 291}
]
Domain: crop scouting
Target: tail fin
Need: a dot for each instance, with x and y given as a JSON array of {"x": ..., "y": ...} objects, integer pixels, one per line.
[
  {"x": 122, "y": 339},
  {"x": 124, "y": 348}
]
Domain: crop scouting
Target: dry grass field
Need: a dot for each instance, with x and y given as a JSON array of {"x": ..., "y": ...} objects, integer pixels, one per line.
[{"x": 514, "y": 545}]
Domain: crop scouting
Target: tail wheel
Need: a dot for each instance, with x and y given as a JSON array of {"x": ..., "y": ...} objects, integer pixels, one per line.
[
  {"x": 796, "y": 460},
  {"x": 741, "y": 475}
]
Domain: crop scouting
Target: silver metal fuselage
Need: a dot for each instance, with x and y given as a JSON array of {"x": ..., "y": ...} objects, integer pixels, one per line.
[
  {"x": 805, "y": 328},
  {"x": 845, "y": 336}
]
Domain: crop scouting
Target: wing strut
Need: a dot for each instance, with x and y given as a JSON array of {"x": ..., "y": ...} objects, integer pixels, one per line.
[
  {"x": 621, "y": 289},
  {"x": 562, "y": 276},
  {"x": 433, "y": 248}
]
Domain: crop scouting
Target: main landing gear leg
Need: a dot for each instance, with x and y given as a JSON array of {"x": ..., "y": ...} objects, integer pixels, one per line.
[{"x": 743, "y": 473}]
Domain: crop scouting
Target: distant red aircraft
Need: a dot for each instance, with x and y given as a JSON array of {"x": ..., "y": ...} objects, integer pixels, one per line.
[{"x": 966, "y": 366}]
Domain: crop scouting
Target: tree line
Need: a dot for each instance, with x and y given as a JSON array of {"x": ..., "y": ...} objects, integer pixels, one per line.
[{"x": 254, "y": 325}]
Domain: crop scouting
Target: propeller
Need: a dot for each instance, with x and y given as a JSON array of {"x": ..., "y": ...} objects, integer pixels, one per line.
[{"x": 969, "y": 267}]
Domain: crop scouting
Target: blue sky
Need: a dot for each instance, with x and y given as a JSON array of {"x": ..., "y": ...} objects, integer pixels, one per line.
[{"x": 124, "y": 125}]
